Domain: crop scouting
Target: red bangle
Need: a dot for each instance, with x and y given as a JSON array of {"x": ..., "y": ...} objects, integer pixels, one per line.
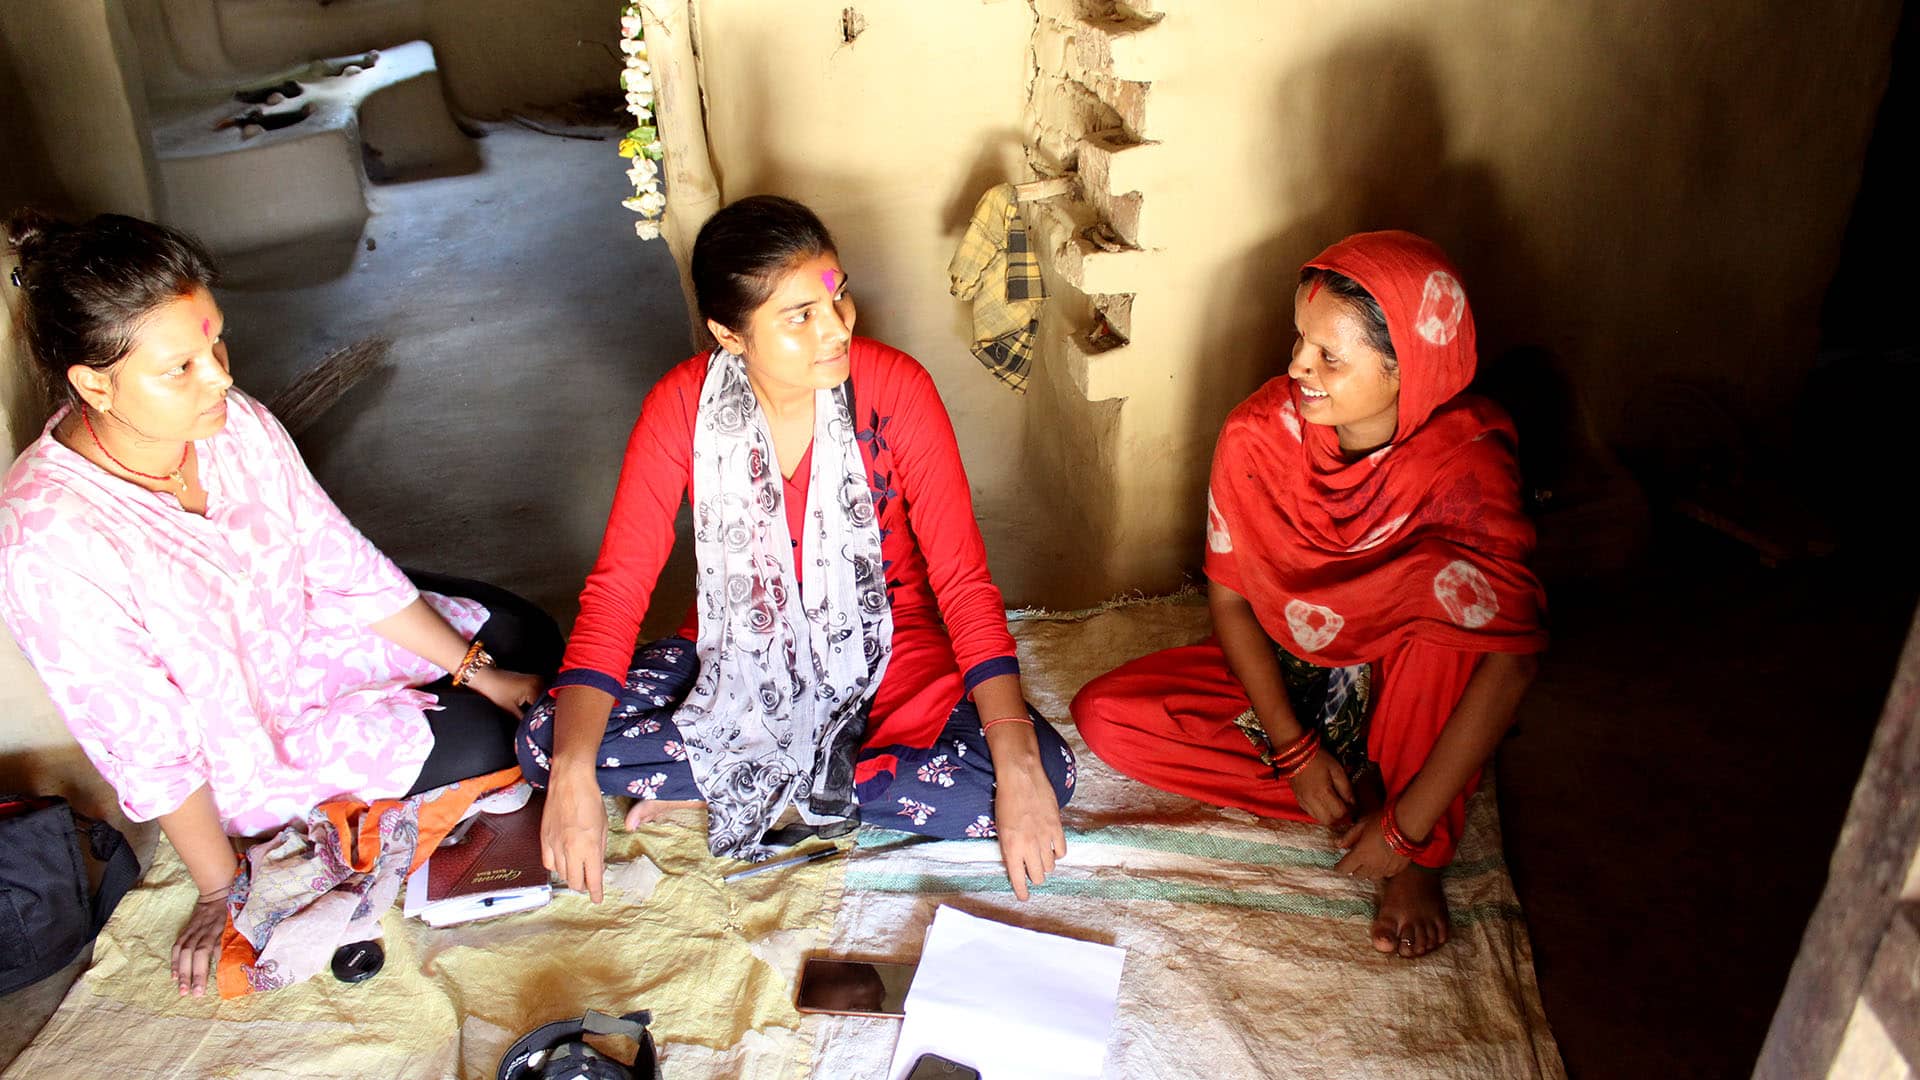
[
  {"x": 988, "y": 726},
  {"x": 1397, "y": 840},
  {"x": 1296, "y": 754}
]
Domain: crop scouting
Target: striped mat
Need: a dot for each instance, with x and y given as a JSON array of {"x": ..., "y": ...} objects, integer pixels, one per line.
[{"x": 1246, "y": 955}]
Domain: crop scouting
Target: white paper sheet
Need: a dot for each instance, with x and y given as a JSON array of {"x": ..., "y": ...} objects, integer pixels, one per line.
[
  {"x": 1014, "y": 1004},
  {"x": 473, "y": 906}
]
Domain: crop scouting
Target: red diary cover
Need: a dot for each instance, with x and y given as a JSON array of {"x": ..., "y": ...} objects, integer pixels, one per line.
[{"x": 500, "y": 851}]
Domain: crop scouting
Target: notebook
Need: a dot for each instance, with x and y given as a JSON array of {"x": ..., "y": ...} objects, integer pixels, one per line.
[{"x": 489, "y": 865}]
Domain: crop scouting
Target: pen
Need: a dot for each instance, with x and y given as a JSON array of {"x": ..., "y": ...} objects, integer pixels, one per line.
[
  {"x": 489, "y": 901},
  {"x": 811, "y": 856}
]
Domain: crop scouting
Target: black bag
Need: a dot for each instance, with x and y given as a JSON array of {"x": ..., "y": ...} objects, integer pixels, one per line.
[
  {"x": 47, "y": 912},
  {"x": 560, "y": 1049}
]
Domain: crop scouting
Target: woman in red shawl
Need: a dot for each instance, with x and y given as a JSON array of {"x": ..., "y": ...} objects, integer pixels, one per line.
[{"x": 1375, "y": 623}]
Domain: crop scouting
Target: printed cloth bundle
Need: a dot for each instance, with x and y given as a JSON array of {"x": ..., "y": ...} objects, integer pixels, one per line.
[{"x": 325, "y": 881}]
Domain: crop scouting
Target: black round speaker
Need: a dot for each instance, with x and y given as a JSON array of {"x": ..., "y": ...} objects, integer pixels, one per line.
[{"x": 559, "y": 1051}]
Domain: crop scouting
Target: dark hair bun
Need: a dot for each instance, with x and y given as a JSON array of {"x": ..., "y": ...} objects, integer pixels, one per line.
[{"x": 27, "y": 230}]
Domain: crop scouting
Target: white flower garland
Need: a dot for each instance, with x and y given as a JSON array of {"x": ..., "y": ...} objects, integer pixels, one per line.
[{"x": 642, "y": 144}]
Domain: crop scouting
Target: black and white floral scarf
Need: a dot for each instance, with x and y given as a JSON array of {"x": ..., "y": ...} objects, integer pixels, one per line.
[{"x": 786, "y": 674}]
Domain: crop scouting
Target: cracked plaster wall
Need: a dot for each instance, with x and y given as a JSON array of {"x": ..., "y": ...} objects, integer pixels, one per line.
[{"x": 1652, "y": 191}]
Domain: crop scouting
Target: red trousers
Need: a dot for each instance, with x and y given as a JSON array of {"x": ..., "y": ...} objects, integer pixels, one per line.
[{"x": 1167, "y": 720}]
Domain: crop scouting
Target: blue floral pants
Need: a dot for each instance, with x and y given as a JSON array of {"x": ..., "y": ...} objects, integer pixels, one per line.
[{"x": 944, "y": 790}]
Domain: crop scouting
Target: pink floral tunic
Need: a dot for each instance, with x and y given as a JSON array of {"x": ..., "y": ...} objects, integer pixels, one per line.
[{"x": 230, "y": 650}]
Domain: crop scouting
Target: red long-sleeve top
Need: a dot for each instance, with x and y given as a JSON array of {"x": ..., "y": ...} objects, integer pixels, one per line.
[{"x": 949, "y": 622}]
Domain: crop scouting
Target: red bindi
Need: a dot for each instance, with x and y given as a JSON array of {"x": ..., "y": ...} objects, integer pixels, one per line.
[
  {"x": 831, "y": 278},
  {"x": 206, "y": 327},
  {"x": 1315, "y": 291}
]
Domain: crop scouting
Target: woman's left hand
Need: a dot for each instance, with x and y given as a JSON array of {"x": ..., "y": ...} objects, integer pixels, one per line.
[
  {"x": 1026, "y": 814},
  {"x": 510, "y": 690},
  {"x": 1368, "y": 855}
]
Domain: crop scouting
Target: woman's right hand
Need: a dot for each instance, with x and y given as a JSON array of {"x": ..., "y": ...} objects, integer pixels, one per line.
[
  {"x": 199, "y": 940},
  {"x": 573, "y": 830},
  {"x": 193, "y": 828},
  {"x": 1324, "y": 791}
]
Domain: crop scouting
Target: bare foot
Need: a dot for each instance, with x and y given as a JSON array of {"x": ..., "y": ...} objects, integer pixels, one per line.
[
  {"x": 1413, "y": 913},
  {"x": 645, "y": 810}
]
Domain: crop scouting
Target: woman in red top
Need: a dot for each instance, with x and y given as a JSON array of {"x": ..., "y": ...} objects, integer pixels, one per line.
[
  {"x": 848, "y": 654},
  {"x": 1374, "y": 618}
]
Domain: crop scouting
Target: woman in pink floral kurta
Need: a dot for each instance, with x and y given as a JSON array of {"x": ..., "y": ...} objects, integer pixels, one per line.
[
  {"x": 230, "y": 651},
  {"x": 226, "y": 647}
]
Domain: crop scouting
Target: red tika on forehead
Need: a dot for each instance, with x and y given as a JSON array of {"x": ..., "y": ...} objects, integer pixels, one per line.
[
  {"x": 1315, "y": 291},
  {"x": 206, "y": 327},
  {"x": 831, "y": 278}
]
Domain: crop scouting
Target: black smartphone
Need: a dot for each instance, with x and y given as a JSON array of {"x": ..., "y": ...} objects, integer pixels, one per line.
[
  {"x": 935, "y": 1067},
  {"x": 853, "y": 987}
]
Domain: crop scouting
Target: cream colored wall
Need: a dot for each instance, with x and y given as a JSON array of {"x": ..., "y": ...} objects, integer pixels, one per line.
[
  {"x": 36, "y": 752},
  {"x": 499, "y": 55},
  {"x": 1653, "y": 190},
  {"x": 891, "y": 139},
  {"x": 70, "y": 139},
  {"x": 23, "y": 402},
  {"x": 83, "y": 95}
]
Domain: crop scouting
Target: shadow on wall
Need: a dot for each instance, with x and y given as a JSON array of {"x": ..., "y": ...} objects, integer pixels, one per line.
[
  {"x": 28, "y": 178},
  {"x": 1002, "y": 154},
  {"x": 1365, "y": 147}
]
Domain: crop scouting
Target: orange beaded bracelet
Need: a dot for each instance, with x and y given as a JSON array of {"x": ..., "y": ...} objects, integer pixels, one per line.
[{"x": 476, "y": 660}]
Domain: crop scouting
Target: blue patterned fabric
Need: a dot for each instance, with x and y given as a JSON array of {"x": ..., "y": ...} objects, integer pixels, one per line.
[{"x": 944, "y": 790}]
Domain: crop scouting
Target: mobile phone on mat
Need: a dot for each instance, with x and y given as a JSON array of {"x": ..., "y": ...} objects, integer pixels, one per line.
[
  {"x": 853, "y": 987},
  {"x": 935, "y": 1067}
]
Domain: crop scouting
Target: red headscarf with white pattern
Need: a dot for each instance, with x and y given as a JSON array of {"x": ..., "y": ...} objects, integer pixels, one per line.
[{"x": 1423, "y": 538}]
